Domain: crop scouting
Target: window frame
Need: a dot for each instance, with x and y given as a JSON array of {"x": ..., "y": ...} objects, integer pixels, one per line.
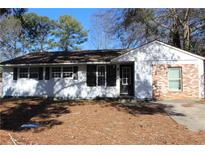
[
  {"x": 105, "y": 76},
  {"x": 175, "y": 79},
  {"x": 52, "y": 72},
  {"x": 72, "y": 72},
  {"x": 19, "y": 73},
  {"x": 37, "y": 72},
  {"x": 128, "y": 72}
]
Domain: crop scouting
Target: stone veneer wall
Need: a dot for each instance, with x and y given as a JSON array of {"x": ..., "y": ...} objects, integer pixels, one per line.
[{"x": 190, "y": 82}]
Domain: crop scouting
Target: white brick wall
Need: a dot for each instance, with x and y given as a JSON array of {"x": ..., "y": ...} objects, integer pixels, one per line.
[
  {"x": 0, "y": 88},
  {"x": 62, "y": 87}
]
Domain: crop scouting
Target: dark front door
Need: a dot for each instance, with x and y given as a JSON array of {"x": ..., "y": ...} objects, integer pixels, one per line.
[{"x": 126, "y": 80}]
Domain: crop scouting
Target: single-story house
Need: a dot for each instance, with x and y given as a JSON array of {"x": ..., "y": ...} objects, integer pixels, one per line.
[{"x": 153, "y": 71}]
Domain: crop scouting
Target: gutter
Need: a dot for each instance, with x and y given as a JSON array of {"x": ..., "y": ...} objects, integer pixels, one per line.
[{"x": 54, "y": 64}]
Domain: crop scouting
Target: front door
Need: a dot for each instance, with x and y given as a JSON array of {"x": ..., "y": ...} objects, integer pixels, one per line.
[{"x": 126, "y": 80}]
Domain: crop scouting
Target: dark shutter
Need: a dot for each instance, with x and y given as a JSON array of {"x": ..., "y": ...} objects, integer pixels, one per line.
[
  {"x": 15, "y": 73},
  {"x": 91, "y": 75},
  {"x": 101, "y": 75},
  {"x": 40, "y": 73},
  {"x": 111, "y": 75},
  {"x": 47, "y": 73},
  {"x": 75, "y": 71}
]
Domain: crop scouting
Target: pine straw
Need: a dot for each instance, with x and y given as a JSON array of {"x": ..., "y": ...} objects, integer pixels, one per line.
[{"x": 104, "y": 123}]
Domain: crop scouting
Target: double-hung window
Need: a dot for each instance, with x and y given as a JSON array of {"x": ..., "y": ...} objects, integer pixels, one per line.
[
  {"x": 34, "y": 73},
  {"x": 56, "y": 72},
  {"x": 101, "y": 75},
  {"x": 175, "y": 78},
  {"x": 23, "y": 72},
  {"x": 67, "y": 72}
]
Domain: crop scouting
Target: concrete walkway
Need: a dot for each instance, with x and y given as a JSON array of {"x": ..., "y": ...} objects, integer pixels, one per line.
[{"x": 188, "y": 113}]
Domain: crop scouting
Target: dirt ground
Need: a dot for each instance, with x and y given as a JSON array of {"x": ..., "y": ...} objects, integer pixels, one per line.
[
  {"x": 90, "y": 122},
  {"x": 201, "y": 101}
]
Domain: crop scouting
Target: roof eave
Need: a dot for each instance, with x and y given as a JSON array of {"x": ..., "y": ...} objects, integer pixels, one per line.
[
  {"x": 52, "y": 64},
  {"x": 181, "y": 50},
  {"x": 159, "y": 42}
]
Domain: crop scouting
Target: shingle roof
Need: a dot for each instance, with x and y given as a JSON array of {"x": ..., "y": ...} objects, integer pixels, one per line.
[
  {"x": 67, "y": 57},
  {"x": 82, "y": 56}
]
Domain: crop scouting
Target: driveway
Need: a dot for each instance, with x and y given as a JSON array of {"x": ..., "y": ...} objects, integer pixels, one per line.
[{"x": 187, "y": 112}]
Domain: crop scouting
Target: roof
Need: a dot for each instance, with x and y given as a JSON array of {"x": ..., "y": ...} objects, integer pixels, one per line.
[
  {"x": 164, "y": 44},
  {"x": 83, "y": 56},
  {"x": 180, "y": 50},
  {"x": 67, "y": 57}
]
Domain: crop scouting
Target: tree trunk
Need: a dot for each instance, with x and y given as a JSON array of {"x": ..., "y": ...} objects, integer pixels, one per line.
[
  {"x": 186, "y": 31},
  {"x": 186, "y": 37},
  {"x": 175, "y": 36}
]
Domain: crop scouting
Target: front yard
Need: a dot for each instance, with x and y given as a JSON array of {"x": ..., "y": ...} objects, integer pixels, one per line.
[{"x": 90, "y": 122}]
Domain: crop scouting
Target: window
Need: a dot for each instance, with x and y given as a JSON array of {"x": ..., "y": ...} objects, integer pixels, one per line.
[
  {"x": 26, "y": 72},
  {"x": 175, "y": 79},
  {"x": 126, "y": 73},
  {"x": 56, "y": 72},
  {"x": 67, "y": 72},
  {"x": 23, "y": 73},
  {"x": 101, "y": 75},
  {"x": 34, "y": 73}
]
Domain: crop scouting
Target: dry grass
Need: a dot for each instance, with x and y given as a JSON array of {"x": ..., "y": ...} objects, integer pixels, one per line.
[{"x": 91, "y": 122}]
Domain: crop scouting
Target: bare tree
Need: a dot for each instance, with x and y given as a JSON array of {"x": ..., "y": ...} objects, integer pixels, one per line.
[
  {"x": 100, "y": 38},
  {"x": 10, "y": 38},
  {"x": 183, "y": 28}
]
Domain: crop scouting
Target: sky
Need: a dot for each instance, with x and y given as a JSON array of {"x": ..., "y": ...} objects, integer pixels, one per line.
[{"x": 82, "y": 15}]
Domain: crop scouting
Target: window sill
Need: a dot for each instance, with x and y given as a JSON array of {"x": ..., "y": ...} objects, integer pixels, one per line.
[{"x": 175, "y": 91}]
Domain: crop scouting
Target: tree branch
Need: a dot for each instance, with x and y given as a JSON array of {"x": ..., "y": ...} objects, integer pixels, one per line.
[
  {"x": 161, "y": 24},
  {"x": 194, "y": 23},
  {"x": 186, "y": 15},
  {"x": 198, "y": 27}
]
